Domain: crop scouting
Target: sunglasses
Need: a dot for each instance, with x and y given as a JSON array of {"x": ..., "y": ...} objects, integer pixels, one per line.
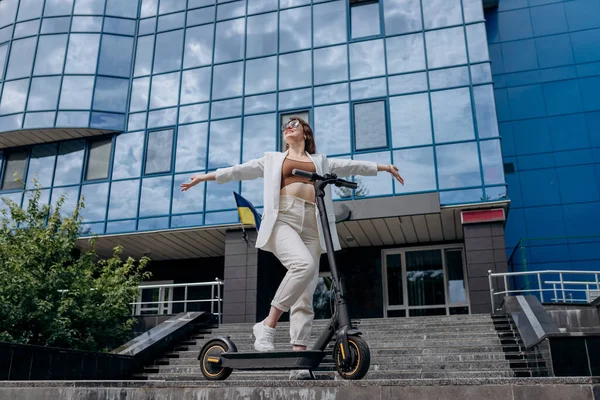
[{"x": 292, "y": 124}]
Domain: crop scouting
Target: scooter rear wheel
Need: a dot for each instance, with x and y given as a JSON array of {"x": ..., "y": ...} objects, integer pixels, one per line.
[
  {"x": 360, "y": 358},
  {"x": 210, "y": 369}
]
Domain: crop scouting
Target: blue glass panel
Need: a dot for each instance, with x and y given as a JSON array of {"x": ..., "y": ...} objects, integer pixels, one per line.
[
  {"x": 295, "y": 99},
  {"x": 582, "y": 219},
  {"x": 295, "y": 70},
  {"x": 120, "y": 226},
  {"x": 168, "y": 51},
  {"x": 86, "y": 24},
  {"x": 197, "y": 112},
  {"x": 583, "y": 14},
  {"x": 108, "y": 121},
  {"x": 405, "y": 53},
  {"x": 14, "y": 197},
  {"x": 332, "y": 129},
  {"x": 50, "y": 55},
  {"x": 410, "y": 118},
  {"x": 143, "y": 56},
  {"x": 69, "y": 163},
  {"x": 329, "y": 23},
  {"x": 92, "y": 229},
  {"x": 331, "y": 64},
  {"x": 227, "y": 80},
  {"x": 8, "y": 11},
  {"x": 165, "y": 89},
  {"x": 185, "y": 202},
  {"x": 57, "y": 7},
  {"x": 95, "y": 198},
  {"x": 153, "y": 224},
  {"x": 219, "y": 197},
  {"x": 527, "y": 102},
  {"x": 29, "y": 9},
  {"x": 368, "y": 88},
  {"x": 548, "y": 20},
  {"x": 440, "y": 13},
  {"x": 496, "y": 193},
  {"x": 219, "y": 218},
  {"x": 127, "y": 160},
  {"x": 481, "y": 73},
  {"x": 123, "y": 199},
  {"x": 477, "y": 44},
  {"x": 449, "y": 77},
  {"x": 331, "y": 93},
  {"x": 515, "y": 25},
  {"x": 562, "y": 97},
  {"x": 69, "y": 194},
  {"x": 147, "y": 26},
  {"x": 41, "y": 165},
  {"x": 198, "y": 46},
  {"x": 452, "y": 115},
  {"x": 225, "y": 141},
  {"x": 195, "y": 85},
  {"x": 491, "y": 159},
  {"x": 485, "y": 108},
  {"x": 261, "y": 75},
  {"x": 262, "y": 35},
  {"x": 260, "y": 135},
  {"x": 231, "y": 10},
  {"x": 183, "y": 221},
  {"x": 115, "y": 55},
  {"x": 554, "y": 51},
  {"x": 43, "y": 94},
  {"x": 21, "y": 58},
  {"x": 26, "y": 29},
  {"x": 253, "y": 192},
  {"x": 167, "y": 6},
  {"x": 72, "y": 119},
  {"x": 171, "y": 21},
  {"x": 458, "y": 165},
  {"x": 535, "y": 161},
  {"x": 575, "y": 157},
  {"x": 229, "y": 44},
  {"x": 364, "y": 20},
  {"x": 256, "y": 6},
  {"x": 120, "y": 8},
  {"x": 407, "y": 83},
  {"x": 149, "y": 8},
  {"x": 539, "y": 187},
  {"x": 39, "y": 120},
  {"x": 10, "y": 123},
  {"x": 293, "y": 32},
  {"x": 6, "y": 33},
  {"x": 191, "y": 147},
  {"x": 401, "y": 16},
  {"x": 446, "y": 47},
  {"x": 76, "y": 93},
  {"x": 519, "y": 56},
  {"x": 28, "y": 198},
  {"x": 111, "y": 94},
  {"x": 292, "y": 3},
  {"x": 139, "y": 94},
  {"x": 367, "y": 59},
  {"x": 226, "y": 108},
  {"x": 461, "y": 196},
  {"x": 589, "y": 90},
  {"x": 200, "y": 16},
  {"x": 156, "y": 196},
  {"x": 14, "y": 95},
  {"x": 162, "y": 118},
  {"x": 417, "y": 168},
  {"x": 89, "y": 7},
  {"x": 370, "y": 127},
  {"x": 585, "y": 46},
  {"x": 136, "y": 121},
  {"x": 82, "y": 54},
  {"x": 473, "y": 10},
  {"x": 532, "y": 136},
  {"x": 593, "y": 124},
  {"x": 255, "y": 104},
  {"x": 576, "y": 184},
  {"x": 375, "y": 185},
  {"x": 55, "y": 25}
]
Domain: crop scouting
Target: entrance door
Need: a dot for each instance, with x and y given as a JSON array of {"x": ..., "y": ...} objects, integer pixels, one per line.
[{"x": 424, "y": 281}]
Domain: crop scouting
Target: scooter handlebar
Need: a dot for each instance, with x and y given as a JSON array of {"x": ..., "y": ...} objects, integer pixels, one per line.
[{"x": 312, "y": 176}]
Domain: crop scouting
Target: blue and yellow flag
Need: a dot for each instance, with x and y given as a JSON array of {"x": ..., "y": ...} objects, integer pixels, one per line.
[{"x": 248, "y": 214}]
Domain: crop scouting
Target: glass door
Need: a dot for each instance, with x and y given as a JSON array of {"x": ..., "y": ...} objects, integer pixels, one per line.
[{"x": 154, "y": 300}]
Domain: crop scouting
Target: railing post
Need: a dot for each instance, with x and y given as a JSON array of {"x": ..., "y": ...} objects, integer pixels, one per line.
[
  {"x": 491, "y": 290},
  {"x": 219, "y": 301},
  {"x": 212, "y": 298},
  {"x": 540, "y": 286},
  {"x": 185, "y": 297},
  {"x": 555, "y": 292},
  {"x": 562, "y": 287}
]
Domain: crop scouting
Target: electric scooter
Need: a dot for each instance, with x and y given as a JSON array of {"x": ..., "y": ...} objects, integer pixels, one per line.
[{"x": 351, "y": 355}]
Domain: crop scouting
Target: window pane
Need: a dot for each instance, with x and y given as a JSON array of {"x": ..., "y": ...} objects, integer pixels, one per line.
[
  {"x": 369, "y": 125},
  {"x": 57, "y": 7},
  {"x": 89, "y": 6},
  {"x": 147, "y": 26},
  {"x": 452, "y": 115},
  {"x": 115, "y": 55},
  {"x": 367, "y": 59},
  {"x": 10, "y": 123},
  {"x": 402, "y": 16},
  {"x": 256, "y": 6},
  {"x": 128, "y": 155},
  {"x": 3, "y": 51},
  {"x": 225, "y": 142},
  {"x": 229, "y": 40},
  {"x": 171, "y": 21},
  {"x": 69, "y": 163},
  {"x": 159, "y": 151},
  {"x": 21, "y": 58},
  {"x": 329, "y": 23},
  {"x": 293, "y": 32},
  {"x": 76, "y": 92},
  {"x": 368, "y": 88},
  {"x": 440, "y": 13},
  {"x": 331, "y": 64},
  {"x": 295, "y": 99},
  {"x": 456, "y": 279},
  {"x": 139, "y": 94},
  {"x": 26, "y": 29},
  {"x": 161, "y": 118},
  {"x": 50, "y": 55},
  {"x": 29, "y": 9},
  {"x": 200, "y": 16},
  {"x": 82, "y": 54},
  {"x": 374, "y": 185},
  {"x": 481, "y": 73},
  {"x": 198, "y": 46},
  {"x": 167, "y": 6},
  {"x": 191, "y": 147},
  {"x": 195, "y": 86},
  {"x": 168, "y": 51},
  {"x": 102, "y": 120},
  {"x": 491, "y": 159},
  {"x": 227, "y": 80},
  {"x": 417, "y": 168},
  {"x": 365, "y": 20},
  {"x": 260, "y": 135},
  {"x": 262, "y": 35},
  {"x": 119, "y": 25},
  {"x": 14, "y": 96},
  {"x": 86, "y": 24},
  {"x": 425, "y": 279},
  {"x": 446, "y": 47},
  {"x": 197, "y": 112},
  {"x": 410, "y": 118},
  {"x": 458, "y": 165},
  {"x": 136, "y": 121},
  {"x": 477, "y": 43},
  {"x": 292, "y": 3},
  {"x": 43, "y": 94},
  {"x": 473, "y": 10},
  {"x": 331, "y": 93},
  {"x": 123, "y": 199},
  {"x": 14, "y": 170},
  {"x": 156, "y": 196},
  {"x": 165, "y": 89},
  {"x": 231, "y": 10},
  {"x": 332, "y": 129},
  {"x": 8, "y": 11},
  {"x": 111, "y": 94},
  {"x": 149, "y": 8},
  {"x": 295, "y": 70},
  {"x": 98, "y": 159},
  {"x": 449, "y": 77},
  {"x": 122, "y": 8},
  {"x": 70, "y": 202},
  {"x": 256, "y": 104},
  {"x": 185, "y": 202},
  {"x": 485, "y": 108},
  {"x": 55, "y": 25},
  {"x": 72, "y": 119},
  {"x": 120, "y": 226},
  {"x": 407, "y": 83},
  {"x": 405, "y": 53},
  {"x": 95, "y": 198},
  {"x": 143, "y": 56},
  {"x": 261, "y": 75},
  {"x": 39, "y": 120},
  {"x": 226, "y": 108},
  {"x": 219, "y": 197}
]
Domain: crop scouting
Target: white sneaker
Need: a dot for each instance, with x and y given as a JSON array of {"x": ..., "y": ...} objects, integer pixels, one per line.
[
  {"x": 265, "y": 336},
  {"x": 301, "y": 375}
]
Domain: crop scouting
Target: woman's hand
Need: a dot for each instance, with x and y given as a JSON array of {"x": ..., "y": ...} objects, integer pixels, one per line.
[
  {"x": 394, "y": 171},
  {"x": 194, "y": 181}
]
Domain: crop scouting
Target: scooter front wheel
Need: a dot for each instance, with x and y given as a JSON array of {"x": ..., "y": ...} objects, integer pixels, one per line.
[
  {"x": 209, "y": 360},
  {"x": 360, "y": 358}
]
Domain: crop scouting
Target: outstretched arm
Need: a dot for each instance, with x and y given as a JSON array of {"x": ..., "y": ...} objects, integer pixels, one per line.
[
  {"x": 249, "y": 170},
  {"x": 343, "y": 167}
]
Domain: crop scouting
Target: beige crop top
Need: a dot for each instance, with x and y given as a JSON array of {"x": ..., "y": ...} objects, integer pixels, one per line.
[{"x": 289, "y": 165}]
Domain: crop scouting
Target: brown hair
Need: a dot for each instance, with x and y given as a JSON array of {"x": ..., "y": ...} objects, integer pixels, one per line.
[{"x": 309, "y": 142}]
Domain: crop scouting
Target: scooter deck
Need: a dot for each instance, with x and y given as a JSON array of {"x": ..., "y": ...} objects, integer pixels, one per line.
[{"x": 269, "y": 360}]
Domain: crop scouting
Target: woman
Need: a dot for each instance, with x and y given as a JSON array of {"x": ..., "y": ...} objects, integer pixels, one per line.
[{"x": 290, "y": 228}]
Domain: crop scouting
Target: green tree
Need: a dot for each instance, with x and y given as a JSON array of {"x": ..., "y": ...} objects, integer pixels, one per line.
[{"x": 53, "y": 294}]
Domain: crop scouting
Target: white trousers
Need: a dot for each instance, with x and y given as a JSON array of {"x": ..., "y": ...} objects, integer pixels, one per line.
[{"x": 295, "y": 242}]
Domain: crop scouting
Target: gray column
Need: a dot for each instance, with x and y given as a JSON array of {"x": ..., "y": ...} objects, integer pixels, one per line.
[
  {"x": 240, "y": 275},
  {"x": 485, "y": 250}
]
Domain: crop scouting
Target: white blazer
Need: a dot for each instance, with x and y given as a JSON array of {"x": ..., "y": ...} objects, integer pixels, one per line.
[{"x": 269, "y": 167}]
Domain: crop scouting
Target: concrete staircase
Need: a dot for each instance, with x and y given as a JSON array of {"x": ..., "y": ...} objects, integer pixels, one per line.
[{"x": 448, "y": 347}]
